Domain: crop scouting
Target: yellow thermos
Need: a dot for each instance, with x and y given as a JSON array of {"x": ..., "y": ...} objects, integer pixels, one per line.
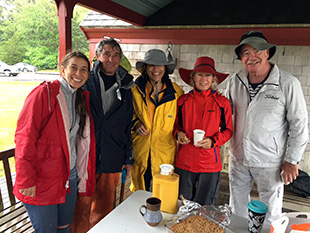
[{"x": 166, "y": 188}]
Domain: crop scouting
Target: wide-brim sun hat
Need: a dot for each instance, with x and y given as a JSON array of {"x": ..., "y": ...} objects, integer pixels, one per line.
[
  {"x": 204, "y": 65},
  {"x": 257, "y": 40},
  {"x": 155, "y": 57}
]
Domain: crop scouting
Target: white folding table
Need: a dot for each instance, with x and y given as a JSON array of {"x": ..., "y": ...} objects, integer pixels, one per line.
[{"x": 126, "y": 218}]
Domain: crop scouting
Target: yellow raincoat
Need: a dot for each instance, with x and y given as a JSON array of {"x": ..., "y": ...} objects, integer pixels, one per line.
[{"x": 159, "y": 143}]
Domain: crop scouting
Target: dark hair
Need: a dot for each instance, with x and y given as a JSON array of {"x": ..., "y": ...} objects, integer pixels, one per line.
[
  {"x": 70, "y": 55},
  {"x": 80, "y": 100},
  {"x": 113, "y": 43},
  {"x": 164, "y": 79}
]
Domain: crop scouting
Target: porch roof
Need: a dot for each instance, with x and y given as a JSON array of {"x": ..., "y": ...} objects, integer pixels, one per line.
[{"x": 221, "y": 21}]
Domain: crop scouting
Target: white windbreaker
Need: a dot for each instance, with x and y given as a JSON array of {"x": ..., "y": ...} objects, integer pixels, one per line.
[{"x": 273, "y": 127}]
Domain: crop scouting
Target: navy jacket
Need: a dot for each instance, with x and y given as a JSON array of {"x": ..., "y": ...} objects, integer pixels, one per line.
[{"x": 112, "y": 129}]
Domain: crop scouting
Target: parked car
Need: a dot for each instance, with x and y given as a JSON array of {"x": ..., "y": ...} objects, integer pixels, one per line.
[
  {"x": 25, "y": 67},
  {"x": 9, "y": 70}
]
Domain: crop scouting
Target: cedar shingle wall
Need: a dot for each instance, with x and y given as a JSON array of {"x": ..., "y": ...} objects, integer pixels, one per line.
[{"x": 293, "y": 59}]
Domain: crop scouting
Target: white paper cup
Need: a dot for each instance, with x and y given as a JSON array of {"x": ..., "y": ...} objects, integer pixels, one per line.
[{"x": 198, "y": 135}]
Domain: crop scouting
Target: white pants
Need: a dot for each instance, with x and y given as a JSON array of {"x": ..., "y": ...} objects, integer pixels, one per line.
[{"x": 269, "y": 186}]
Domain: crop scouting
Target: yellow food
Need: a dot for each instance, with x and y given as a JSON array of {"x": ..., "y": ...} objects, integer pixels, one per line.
[
  {"x": 196, "y": 224},
  {"x": 186, "y": 139}
]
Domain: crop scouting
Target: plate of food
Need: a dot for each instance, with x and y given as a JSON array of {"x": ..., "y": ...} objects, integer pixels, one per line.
[{"x": 197, "y": 221}]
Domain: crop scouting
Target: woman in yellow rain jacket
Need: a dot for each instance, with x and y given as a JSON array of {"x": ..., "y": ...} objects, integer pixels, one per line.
[{"x": 155, "y": 108}]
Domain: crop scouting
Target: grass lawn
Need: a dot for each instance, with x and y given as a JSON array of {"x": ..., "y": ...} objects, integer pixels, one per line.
[{"x": 12, "y": 97}]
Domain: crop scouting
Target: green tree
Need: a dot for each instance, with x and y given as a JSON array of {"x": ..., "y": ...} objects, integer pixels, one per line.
[
  {"x": 7, "y": 29},
  {"x": 12, "y": 50},
  {"x": 29, "y": 32},
  {"x": 37, "y": 24},
  {"x": 79, "y": 41}
]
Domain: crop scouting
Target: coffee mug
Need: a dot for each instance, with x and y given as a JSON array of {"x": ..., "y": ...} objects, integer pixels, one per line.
[{"x": 151, "y": 211}]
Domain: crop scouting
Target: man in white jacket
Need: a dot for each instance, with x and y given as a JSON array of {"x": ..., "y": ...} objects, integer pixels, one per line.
[{"x": 270, "y": 127}]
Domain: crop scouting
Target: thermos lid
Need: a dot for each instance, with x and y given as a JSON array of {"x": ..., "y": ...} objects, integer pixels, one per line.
[
  {"x": 166, "y": 169},
  {"x": 258, "y": 207}
]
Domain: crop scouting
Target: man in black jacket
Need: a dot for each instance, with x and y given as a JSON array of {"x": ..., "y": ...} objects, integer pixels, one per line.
[{"x": 112, "y": 110}]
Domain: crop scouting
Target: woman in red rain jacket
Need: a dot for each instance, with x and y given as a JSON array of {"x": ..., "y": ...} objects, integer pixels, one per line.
[
  {"x": 55, "y": 148},
  {"x": 202, "y": 108}
]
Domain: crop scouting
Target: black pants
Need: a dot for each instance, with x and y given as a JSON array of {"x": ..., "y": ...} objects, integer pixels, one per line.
[
  {"x": 202, "y": 188},
  {"x": 148, "y": 175}
]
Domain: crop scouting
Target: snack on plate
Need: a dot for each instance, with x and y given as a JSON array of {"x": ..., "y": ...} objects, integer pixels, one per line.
[
  {"x": 196, "y": 224},
  {"x": 193, "y": 218},
  {"x": 186, "y": 139}
]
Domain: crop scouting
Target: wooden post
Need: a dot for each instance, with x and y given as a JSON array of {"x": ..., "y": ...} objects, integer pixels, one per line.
[{"x": 65, "y": 13}]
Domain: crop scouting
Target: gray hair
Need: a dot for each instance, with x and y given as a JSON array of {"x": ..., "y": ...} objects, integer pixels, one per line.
[{"x": 113, "y": 43}]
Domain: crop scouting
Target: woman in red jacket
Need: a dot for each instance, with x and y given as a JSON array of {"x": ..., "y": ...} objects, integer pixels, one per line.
[
  {"x": 55, "y": 148},
  {"x": 202, "y": 108}
]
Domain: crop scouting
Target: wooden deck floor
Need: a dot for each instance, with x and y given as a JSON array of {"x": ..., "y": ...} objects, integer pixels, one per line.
[{"x": 127, "y": 191}]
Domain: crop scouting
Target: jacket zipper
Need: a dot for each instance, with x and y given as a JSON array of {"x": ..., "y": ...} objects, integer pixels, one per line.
[
  {"x": 245, "y": 86},
  {"x": 216, "y": 159},
  {"x": 179, "y": 149},
  {"x": 49, "y": 97}
]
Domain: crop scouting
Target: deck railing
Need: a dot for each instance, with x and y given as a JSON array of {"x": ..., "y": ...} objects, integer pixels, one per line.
[{"x": 4, "y": 157}]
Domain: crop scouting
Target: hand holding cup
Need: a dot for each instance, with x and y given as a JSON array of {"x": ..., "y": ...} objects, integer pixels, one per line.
[{"x": 198, "y": 136}]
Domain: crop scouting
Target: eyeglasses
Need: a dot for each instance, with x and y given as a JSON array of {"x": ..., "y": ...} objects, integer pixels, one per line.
[{"x": 111, "y": 38}]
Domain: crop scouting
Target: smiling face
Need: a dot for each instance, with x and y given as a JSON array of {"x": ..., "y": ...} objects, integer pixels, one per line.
[
  {"x": 203, "y": 81},
  {"x": 76, "y": 72},
  {"x": 254, "y": 60},
  {"x": 155, "y": 73},
  {"x": 110, "y": 58}
]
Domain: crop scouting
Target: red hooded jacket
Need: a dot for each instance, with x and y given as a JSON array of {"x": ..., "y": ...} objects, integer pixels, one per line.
[
  {"x": 42, "y": 148},
  {"x": 211, "y": 112}
]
